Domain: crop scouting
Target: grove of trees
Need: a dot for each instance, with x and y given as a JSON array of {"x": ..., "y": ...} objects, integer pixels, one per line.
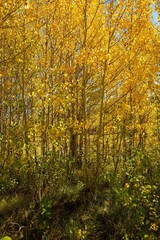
[{"x": 79, "y": 119}]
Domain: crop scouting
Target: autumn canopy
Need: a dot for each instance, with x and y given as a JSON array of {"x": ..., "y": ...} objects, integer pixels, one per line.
[{"x": 79, "y": 87}]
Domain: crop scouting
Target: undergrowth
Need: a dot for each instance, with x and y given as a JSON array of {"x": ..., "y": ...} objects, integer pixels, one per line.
[{"x": 116, "y": 205}]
